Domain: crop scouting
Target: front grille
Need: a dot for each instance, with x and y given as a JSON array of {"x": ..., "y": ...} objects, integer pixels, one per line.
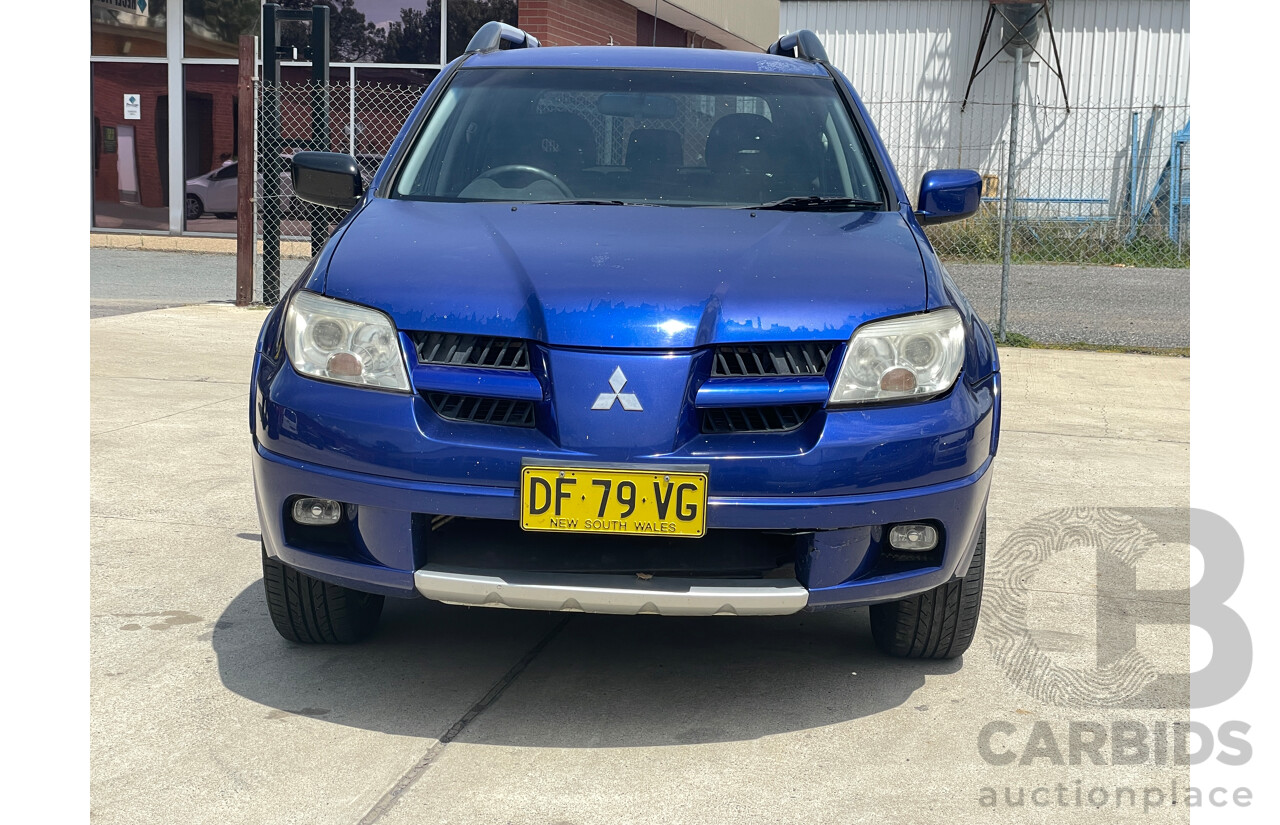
[
  {"x": 745, "y": 360},
  {"x": 471, "y": 351},
  {"x": 725, "y": 420},
  {"x": 480, "y": 410},
  {"x": 488, "y": 545}
]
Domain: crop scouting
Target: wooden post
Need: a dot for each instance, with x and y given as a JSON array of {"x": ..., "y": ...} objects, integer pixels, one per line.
[{"x": 246, "y": 176}]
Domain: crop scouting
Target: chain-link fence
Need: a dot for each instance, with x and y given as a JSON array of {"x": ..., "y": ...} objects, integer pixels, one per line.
[
  {"x": 362, "y": 120},
  {"x": 1090, "y": 185}
]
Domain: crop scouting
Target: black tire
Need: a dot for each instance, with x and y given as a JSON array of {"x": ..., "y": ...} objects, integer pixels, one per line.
[
  {"x": 226, "y": 216},
  {"x": 938, "y": 624},
  {"x": 194, "y": 207},
  {"x": 309, "y": 611}
]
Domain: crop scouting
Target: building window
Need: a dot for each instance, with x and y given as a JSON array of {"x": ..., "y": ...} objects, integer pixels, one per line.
[
  {"x": 210, "y": 148},
  {"x": 131, "y": 146},
  {"x": 130, "y": 98},
  {"x": 127, "y": 28},
  {"x": 212, "y": 28},
  {"x": 360, "y": 31}
]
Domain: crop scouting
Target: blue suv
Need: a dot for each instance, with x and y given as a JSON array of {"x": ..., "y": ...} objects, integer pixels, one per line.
[{"x": 628, "y": 330}]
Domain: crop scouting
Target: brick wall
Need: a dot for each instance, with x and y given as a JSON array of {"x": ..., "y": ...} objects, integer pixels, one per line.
[
  {"x": 110, "y": 83},
  {"x": 579, "y": 22},
  {"x": 149, "y": 81},
  {"x": 217, "y": 84}
]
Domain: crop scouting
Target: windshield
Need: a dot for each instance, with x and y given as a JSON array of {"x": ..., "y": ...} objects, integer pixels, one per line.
[{"x": 640, "y": 136}]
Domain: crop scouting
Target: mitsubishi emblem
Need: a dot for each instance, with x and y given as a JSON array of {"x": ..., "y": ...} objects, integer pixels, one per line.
[{"x": 604, "y": 401}]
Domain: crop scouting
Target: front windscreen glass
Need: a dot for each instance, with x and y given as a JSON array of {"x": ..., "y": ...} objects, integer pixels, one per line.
[{"x": 640, "y": 136}]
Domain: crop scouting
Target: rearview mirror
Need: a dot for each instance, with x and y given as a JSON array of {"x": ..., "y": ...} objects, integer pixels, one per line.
[
  {"x": 948, "y": 195},
  {"x": 327, "y": 179}
]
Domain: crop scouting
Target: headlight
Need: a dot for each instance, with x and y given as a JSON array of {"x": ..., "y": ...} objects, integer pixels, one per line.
[
  {"x": 344, "y": 342},
  {"x": 919, "y": 355}
]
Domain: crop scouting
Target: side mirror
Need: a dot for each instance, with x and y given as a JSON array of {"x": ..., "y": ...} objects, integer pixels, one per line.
[
  {"x": 327, "y": 179},
  {"x": 948, "y": 195}
]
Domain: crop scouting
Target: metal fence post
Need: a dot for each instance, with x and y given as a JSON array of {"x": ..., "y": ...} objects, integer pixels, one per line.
[
  {"x": 1006, "y": 253},
  {"x": 319, "y": 110},
  {"x": 351, "y": 111},
  {"x": 444, "y": 33},
  {"x": 269, "y": 123},
  {"x": 1131, "y": 195}
]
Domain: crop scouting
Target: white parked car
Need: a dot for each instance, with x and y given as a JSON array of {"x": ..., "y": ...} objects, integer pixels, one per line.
[{"x": 215, "y": 191}]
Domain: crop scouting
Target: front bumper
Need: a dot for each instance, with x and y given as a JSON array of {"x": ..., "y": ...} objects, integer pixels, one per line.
[{"x": 834, "y": 565}]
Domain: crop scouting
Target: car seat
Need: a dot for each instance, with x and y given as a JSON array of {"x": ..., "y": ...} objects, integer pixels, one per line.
[{"x": 742, "y": 152}]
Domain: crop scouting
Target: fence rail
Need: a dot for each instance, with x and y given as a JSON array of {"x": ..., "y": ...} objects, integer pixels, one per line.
[{"x": 1093, "y": 185}]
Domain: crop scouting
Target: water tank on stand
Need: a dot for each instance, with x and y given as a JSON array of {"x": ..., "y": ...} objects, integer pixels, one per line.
[{"x": 1020, "y": 25}]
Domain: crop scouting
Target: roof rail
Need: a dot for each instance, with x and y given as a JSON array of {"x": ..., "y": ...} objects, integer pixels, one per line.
[
  {"x": 491, "y": 35},
  {"x": 803, "y": 44}
]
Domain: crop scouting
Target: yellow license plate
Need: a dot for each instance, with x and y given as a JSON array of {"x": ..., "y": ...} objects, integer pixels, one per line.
[{"x": 627, "y": 501}]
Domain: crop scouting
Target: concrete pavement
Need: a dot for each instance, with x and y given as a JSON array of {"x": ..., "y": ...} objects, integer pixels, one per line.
[
  {"x": 202, "y": 714},
  {"x": 1070, "y": 303},
  {"x": 132, "y": 280}
]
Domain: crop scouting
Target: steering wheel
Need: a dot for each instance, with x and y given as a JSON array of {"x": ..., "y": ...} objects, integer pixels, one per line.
[{"x": 529, "y": 170}]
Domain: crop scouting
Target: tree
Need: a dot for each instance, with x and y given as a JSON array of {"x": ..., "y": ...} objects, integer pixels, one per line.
[
  {"x": 227, "y": 19},
  {"x": 467, "y": 16},
  {"x": 352, "y": 38},
  {"x": 415, "y": 38}
]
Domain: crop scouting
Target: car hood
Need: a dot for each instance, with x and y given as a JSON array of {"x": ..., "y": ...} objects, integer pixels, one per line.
[{"x": 627, "y": 276}]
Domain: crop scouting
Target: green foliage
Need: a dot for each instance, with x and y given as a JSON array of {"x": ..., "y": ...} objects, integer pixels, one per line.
[
  {"x": 977, "y": 240},
  {"x": 1017, "y": 339},
  {"x": 227, "y": 18},
  {"x": 415, "y": 38}
]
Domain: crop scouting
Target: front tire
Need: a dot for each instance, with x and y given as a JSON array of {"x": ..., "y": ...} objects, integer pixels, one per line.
[
  {"x": 194, "y": 207},
  {"x": 936, "y": 624},
  {"x": 309, "y": 611}
]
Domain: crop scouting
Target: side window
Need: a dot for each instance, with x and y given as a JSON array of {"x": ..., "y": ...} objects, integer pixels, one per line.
[{"x": 226, "y": 172}]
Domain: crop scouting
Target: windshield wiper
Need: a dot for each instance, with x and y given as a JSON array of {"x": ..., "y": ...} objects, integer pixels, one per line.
[
  {"x": 819, "y": 203},
  {"x": 571, "y": 201}
]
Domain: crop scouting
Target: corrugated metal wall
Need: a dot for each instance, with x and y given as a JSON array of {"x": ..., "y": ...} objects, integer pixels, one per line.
[
  {"x": 1114, "y": 52},
  {"x": 910, "y": 61}
]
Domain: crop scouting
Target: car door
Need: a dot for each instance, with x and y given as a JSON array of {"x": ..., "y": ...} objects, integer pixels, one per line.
[{"x": 222, "y": 189}]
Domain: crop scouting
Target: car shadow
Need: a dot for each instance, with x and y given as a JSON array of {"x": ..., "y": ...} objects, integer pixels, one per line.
[{"x": 600, "y": 681}]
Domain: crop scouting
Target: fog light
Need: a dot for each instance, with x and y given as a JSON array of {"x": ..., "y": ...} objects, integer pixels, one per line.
[
  {"x": 317, "y": 511},
  {"x": 918, "y": 537}
]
